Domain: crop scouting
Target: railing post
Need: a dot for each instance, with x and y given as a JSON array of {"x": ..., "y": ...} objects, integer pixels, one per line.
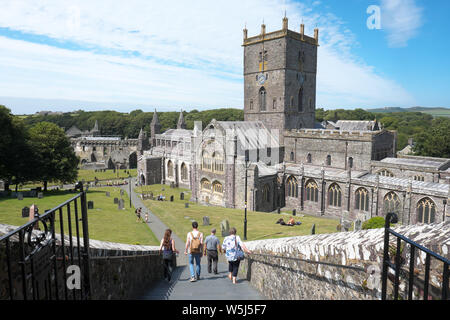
[
  {"x": 85, "y": 252},
  {"x": 387, "y": 223}
]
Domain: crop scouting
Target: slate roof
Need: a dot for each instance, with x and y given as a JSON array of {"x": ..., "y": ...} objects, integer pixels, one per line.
[
  {"x": 435, "y": 164},
  {"x": 353, "y": 125}
]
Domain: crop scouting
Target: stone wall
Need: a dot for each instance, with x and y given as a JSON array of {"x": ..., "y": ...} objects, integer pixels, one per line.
[
  {"x": 117, "y": 271},
  {"x": 338, "y": 266}
]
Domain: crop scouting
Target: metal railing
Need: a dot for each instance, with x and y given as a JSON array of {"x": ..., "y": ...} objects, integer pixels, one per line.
[
  {"x": 396, "y": 265},
  {"x": 36, "y": 260}
]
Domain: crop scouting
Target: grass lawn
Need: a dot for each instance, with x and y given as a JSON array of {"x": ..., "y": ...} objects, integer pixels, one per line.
[
  {"x": 86, "y": 175},
  {"x": 260, "y": 225},
  {"x": 106, "y": 222}
]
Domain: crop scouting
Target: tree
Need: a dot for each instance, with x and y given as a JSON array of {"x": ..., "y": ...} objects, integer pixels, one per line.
[
  {"x": 434, "y": 141},
  {"x": 55, "y": 158},
  {"x": 15, "y": 153}
]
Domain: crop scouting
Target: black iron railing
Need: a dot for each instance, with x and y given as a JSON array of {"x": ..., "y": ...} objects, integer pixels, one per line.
[
  {"x": 414, "y": 281},
  {"x": 37, "y": 260}
]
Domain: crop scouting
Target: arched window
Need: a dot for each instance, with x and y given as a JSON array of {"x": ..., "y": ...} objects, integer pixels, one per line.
[
  {"x": 328, "y": 160},
  {"x": 274, "y": 104},
  {"x": 266, "y": 193},
  {"x": 170, "y": 169},
  {"x": 350, "y": 162},
  {"x": 300, "y": 100},
  {"x": 426, "y": 211},
  {"x": 217, "y": 187},
  {"x": 184, "y": 172},
  {"x": 205, "y": 185},
  {"x": 251, "y": 104},
  {"x": 312, "y": 191},
  {"x": 292, "y": 156},
  {"x": 206, "y": 161},
  {"x": 391, "y": 203},
  {"x": 262, "y": 99},
  {"x": 309, "y": 158},
  {"x": 385, "y": 173},
  {"x": 362, "y": 199},
  {"x": 419, "y": 178},
  {"x": 217, "y": 160},
  {"x": 292, "y": 187},
  {"x": 334, "y": 195},
  {"x": 292, "y": 102}
]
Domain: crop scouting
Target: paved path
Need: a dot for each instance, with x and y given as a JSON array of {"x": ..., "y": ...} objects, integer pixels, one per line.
[{"x": 209, "y": 287}]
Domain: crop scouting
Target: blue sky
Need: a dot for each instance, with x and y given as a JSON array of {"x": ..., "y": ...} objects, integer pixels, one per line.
[{"x": 106, "y": 54}]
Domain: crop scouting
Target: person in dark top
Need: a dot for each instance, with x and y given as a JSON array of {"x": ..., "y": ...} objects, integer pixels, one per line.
[
  {"x": 212, "y": 250},
  {"x": 167, "y": 247}
]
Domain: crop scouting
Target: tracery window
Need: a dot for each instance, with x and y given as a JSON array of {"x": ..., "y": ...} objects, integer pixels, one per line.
[
  {"x": 266, "y": 193},
  {"x": 335, "y": 195},
  {"x": 419, "y": 178},
  {"x": 362, "y": 199},
  {"x": 217, "y": 187},
  {"x": 217, "y": 160},
  {"x": 391, "y": 203},
  {"x": 300, "y": 100},
  {"x": 426, "y": 211},
  {"x": 262, "y": 99},
  {"x": 292, "y": 187},
  {"x": 385, "y": 173},
  {"x": 312, "y": 191},
  {"x": 205, "y": 185},
  {"x": 184, "y": 172},
  {"x": 170, "y": 169}
]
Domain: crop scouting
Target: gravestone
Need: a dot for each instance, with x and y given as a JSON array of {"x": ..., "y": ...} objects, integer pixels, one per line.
[
  {"x": 279, "y": 210},
  {"x": 346, "y": 225},
  {"x": 358, "y": 225},
  {"x": 25, "y": 212},
  {"x": 20, "y": 196},
  {"x": 163, "y": 189},
  {"x": 116, "y": 200},
  {"x": 121, "y": 205},
  {"x": 182, "y": 196},
  {"x": 33, "y": 193},
  {"x": 40, "y": 195},
  {"x": 225, "y": 228},
  {"x": 206, "y": 221},
  {"x": 172, "y": 185},
  {"x": 90, "y": 204},
  {"x": 121, "y": 192},
  {"x": 294, "y": 212},
  {"x": 108, "y": 194},
  {"x": 171, "y": 198},
  {"x": 313, "y": 229},
  {"x": 186, "y": 205}
]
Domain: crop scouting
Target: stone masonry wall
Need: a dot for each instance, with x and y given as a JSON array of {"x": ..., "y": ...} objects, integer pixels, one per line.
[{"x": 338, "y": 266}]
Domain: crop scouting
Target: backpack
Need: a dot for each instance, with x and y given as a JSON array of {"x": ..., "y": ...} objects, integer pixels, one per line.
[{"x": 195, "y": 244}]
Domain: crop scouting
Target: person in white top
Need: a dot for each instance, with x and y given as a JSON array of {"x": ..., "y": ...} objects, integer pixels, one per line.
[
  {"x": 194, "y": 244},
  {"x": 230, "y": 246}
]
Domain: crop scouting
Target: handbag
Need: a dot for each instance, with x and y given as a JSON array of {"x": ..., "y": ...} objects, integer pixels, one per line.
[
  {"x": 167, "y": 254},
  {"x": 239, "y": 253}
]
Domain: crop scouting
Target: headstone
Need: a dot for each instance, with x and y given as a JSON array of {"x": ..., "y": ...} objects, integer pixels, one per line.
[
  {"x": 121, "y": 205},
  {"x": 20, "y": 196},
  {"x": 182, "y": 196},
  {"x": 108, "y": 194},
  {"x": 25, "y": 212},
  {"x": 171, "y": 198},
  {"x": 358, "y": 225},
  {"x": 225, "y": 228},
  {"x": 90, "y": 204},
  {"x": 121, "y": 192},
  {"x": 346, "y": 225},
  {"x": 206, "y": 221},
  {"x": 313, "y": 229},
  {"x": 186, "y": 205},
  {"x": 163, "y": 189},
  {"x": 116, "y": 200},
  {"x": 172, "y": 185},
  {"x": 40, "y": 195},
  {"x": 279, "y": 210},
  {"x": 294, "y": 212}
]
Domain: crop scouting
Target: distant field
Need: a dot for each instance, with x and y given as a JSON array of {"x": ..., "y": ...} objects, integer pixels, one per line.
[
  {"x": 106, "y": 222},
  {"x": 435, "y": 112},
  {"x": 261, "y": 225}
]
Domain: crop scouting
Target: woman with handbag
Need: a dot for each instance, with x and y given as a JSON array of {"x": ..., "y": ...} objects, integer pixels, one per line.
[
  {"x": 233, "y": 246},
  {"x": 167, "y": 248}
]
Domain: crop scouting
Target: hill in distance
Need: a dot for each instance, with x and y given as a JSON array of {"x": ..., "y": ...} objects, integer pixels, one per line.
[{"x": 434, "y": 111}]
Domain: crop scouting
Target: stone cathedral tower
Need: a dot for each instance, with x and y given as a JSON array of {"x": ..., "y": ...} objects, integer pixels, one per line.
[{"x": 280, "y": 78}]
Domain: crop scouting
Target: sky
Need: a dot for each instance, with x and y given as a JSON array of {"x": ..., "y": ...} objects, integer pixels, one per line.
[{"x": 172, "y": 55}]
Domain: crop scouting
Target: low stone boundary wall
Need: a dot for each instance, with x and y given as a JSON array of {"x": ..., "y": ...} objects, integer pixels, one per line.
[
  {"x": 117, "y": 271},
  {"x": 338, "y": 266}
]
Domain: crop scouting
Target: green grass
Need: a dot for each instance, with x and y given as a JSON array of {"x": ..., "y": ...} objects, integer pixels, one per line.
[
  {"x": 260, "y": 225},
  {"x": 87, "y": 176},
  {"x": 105, "y": 221}
]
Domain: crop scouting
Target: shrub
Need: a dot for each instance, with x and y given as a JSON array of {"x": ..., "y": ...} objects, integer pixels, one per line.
[{"x": 373, "y": 223}]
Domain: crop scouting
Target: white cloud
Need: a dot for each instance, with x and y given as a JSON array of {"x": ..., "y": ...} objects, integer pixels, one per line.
[
  {"x": 401, "y": 19},
  {"x": 190, "y": 53}
]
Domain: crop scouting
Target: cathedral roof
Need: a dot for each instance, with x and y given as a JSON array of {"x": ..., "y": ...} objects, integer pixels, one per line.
[
  {"x": 254, "y": 134},
  {"x": 176, "y": 133},
  {"x": 353, "y": 125},
  {"x": 417, "y": 162}
]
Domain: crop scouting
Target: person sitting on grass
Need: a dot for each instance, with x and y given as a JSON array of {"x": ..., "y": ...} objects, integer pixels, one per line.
[
  {"x": 281, "y": 221},
  {"x": 291, "y": 222}
]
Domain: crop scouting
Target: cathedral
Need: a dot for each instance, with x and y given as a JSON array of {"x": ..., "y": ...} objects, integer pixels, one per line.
[{"x": 345, "y": 169}]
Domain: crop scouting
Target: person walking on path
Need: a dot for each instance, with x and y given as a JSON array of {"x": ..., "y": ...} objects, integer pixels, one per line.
[
  {"x": 167, "y": 247},
  {"x": 211, "y": 251},
  {"x": 138, "y": 215},
  {"x": 231, "y": 246},
  {"x": 194, "y": 247}
]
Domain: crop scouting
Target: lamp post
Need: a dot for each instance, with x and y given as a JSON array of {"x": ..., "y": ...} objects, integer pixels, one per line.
[
  {"x": 245, "y": 196},
  {"x": 129, "y": 184}
]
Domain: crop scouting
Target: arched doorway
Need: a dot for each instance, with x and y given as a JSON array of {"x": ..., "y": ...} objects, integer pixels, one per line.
[{"x": 132, "y": 160}]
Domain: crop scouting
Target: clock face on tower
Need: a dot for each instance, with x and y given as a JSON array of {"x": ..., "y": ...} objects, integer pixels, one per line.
[{"x": 261, "y": 79}]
